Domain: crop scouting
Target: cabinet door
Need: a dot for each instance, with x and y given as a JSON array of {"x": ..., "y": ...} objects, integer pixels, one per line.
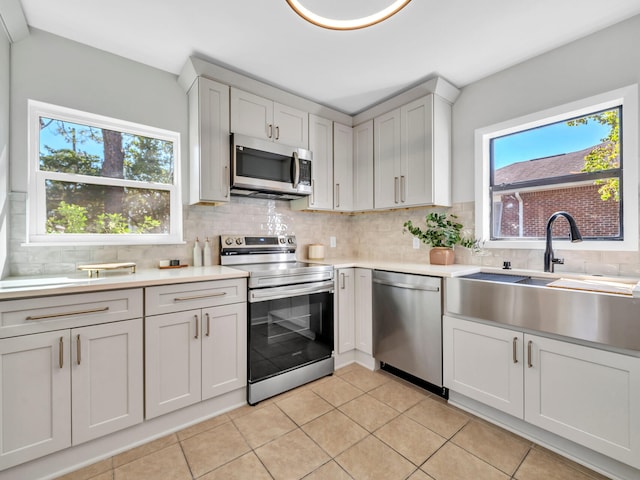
[
  {"x": 35, "y": 396},
  {"x": 416, "y": 165},
  {"x": 363, "y": 166},
  {"x": 321, "y": 144},
  {"x": 346, "y": 310},
  {"x": 584, "y": 394},
  {"x": 107, "y": 378},
  {"x": 251, "y": 115},
  {"x": 172, "y": 362},
  {"x": 484, "y": 363},
  {"x": 343, "y": 167},
  {"x": 441, "y": 160},
  {"x": 290, "y": 126},
  {"x": 363, "y": 312},
  {"x": 209, "y": 141},
  {"x": 224, "y": 349},
  {"x": 387, "y": 160}
]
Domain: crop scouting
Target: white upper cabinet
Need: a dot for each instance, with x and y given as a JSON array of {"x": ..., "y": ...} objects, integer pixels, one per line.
[
  {"x": 208, "y": 142},
  {"x": 387, "y": 160},
  {"x": 263, "y": 118},
  {"x": 321, "y": 145},
  {"x": 342, "y": 167},
  {"x": 363, "y": 166},
  {"x": 413, "y": 154}
]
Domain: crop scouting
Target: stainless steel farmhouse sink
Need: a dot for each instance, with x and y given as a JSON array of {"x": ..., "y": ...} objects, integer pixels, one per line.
[
  {"x": 509, "y": 278},
  {"x": 528, "y": 303}
]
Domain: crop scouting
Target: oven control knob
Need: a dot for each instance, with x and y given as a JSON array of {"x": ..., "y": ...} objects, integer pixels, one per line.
[
  {"x": 282, "y": 240},
  {"x": 239, "y": 241},
  {"x": 229, "y": 241},
  {"x": 290, "y": 240}
]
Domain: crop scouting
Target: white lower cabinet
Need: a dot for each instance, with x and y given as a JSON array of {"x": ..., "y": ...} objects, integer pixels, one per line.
[
  {"x": 484, "y": 363},
  {"x": 195, "y": 354},
  {"x": 96, "y": 369},
  {"x": 346, "y": 320},
  {"x": 354, "y": 310},
  {"x": 363, "y": 314},
  {"x": 35, "y": 400},
  {"x": 584, "y": 394}
]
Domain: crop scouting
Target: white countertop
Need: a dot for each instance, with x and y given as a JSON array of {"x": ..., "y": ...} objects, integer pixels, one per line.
[
  {"x": 25, "y": 287},
  {"x": 454, "y": 270}
]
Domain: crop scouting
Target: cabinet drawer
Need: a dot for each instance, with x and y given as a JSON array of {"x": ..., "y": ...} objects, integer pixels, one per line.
[
  {"x": 186, "y": 296},
  {"x": 33, "y": 315}
]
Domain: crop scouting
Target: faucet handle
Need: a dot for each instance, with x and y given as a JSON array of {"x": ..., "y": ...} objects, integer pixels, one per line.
[{"x": 559, "y": 261}]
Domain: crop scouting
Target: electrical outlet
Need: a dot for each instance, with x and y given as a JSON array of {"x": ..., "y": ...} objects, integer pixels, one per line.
[
  {"x": 332, "y": 242},
  {"x": 416, "y": 243}
]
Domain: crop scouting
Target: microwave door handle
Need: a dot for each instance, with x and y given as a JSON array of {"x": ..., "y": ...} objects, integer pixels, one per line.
[{"x": 296, "y": 170}]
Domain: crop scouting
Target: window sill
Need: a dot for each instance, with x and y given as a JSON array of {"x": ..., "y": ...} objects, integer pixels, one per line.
[
  {"x": 607, "y": 246},
  {"x": 103, "y": 243}
]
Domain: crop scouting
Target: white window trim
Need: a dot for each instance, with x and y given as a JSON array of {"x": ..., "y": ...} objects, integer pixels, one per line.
[
  {"x": 36, "y": 201},
  {"x": 625, "y": 96}
]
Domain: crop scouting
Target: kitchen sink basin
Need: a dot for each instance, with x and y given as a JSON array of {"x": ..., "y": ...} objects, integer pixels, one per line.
[
  {"x": 557, "y": 306},
  {"x": 509, "y": 278}
]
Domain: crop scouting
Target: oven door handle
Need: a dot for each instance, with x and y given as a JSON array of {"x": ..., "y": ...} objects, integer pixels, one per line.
[{"x": 274, "y": 293}]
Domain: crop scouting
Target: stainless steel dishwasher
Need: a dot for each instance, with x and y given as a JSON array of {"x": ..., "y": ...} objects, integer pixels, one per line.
[{"x": 407, "y": 324}]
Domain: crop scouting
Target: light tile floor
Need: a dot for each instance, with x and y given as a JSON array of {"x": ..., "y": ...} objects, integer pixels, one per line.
[{"x": 355, "y": 424}]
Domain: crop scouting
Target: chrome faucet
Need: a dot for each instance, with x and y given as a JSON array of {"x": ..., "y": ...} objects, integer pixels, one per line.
[{"x": 574, "y": 236}]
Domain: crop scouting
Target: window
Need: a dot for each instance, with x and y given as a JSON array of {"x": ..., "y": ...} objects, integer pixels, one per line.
[
  {"x": 581, "y": 158},
  {"x": 98, "y": 180}
]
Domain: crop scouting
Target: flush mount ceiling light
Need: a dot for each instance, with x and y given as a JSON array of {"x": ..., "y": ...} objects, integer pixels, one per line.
[{"x": 349, "y": 24}]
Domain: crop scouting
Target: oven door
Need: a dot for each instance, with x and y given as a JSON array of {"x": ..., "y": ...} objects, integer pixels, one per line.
[{"x": 289, "y": 327}]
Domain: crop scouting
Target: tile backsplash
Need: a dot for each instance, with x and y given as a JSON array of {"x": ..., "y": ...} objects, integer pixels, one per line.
[{"x": 369, "y": 236}]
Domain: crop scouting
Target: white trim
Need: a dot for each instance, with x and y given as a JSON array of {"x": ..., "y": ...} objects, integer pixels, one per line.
[
  {"x": 36, "y": 201},
  {"x": 625, "y": 96}
]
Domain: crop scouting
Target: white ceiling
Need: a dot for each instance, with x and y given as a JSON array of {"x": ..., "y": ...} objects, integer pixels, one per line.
[{"x": 460, "y": 40}]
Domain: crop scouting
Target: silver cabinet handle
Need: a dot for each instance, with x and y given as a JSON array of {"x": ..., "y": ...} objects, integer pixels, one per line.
[
  {"x": 78, "y": 348},
  {"x": 342, "y": 281},
  {"x": 515, "y": 349},
  {"x": 529, "y": 346},
  {"x": 277, "y": 132},
  {"x": 296, "y": 170},
  {"x": 197, "y": 297},
  {"x": 61, "y": 352},
  {"x": 208, "y": 324},
  {"x": 395, "y": 189},
  {"x": 403, "y": 189},
  {"x": 312, "y": 201},
  {"x": 67, "y": 314},
  {"x": 270, "y": 129},
  {"x": 197, "y": 326},
  {"x": 226, "y": 181},
  {"x": 337, "y": 195}
]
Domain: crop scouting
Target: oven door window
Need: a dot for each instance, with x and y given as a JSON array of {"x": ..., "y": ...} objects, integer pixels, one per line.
[
  {"x": 252, "y": 163},
  {"x": 286, "y": 333}
]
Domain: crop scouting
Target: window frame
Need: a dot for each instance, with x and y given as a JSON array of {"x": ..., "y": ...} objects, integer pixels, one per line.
[
  {"x": 36, "y": 195},
  {"x": 627, "y": 97}
]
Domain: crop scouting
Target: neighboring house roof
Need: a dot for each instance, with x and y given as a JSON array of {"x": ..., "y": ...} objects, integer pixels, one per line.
[{"x": 546, "y": 167}]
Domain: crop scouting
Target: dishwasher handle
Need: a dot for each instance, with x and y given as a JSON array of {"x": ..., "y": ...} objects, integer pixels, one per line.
[{"x": 408, "y": 286}]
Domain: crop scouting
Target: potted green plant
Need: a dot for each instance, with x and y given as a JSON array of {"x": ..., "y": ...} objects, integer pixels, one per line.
[{"x": 442, "y": 232}]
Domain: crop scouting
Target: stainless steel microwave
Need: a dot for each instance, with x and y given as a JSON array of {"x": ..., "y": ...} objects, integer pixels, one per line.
[{"x": 261, "y": 168}]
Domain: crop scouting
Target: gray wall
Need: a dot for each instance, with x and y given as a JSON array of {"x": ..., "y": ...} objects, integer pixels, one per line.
[
  {"x": 604, "y": 61},
  {"x": 52, "y": 69},
  {"x": 4, "y": 148}
]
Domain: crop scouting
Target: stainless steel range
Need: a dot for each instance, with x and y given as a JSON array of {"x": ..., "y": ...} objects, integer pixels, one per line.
[{"x": 289, "y": 314}]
